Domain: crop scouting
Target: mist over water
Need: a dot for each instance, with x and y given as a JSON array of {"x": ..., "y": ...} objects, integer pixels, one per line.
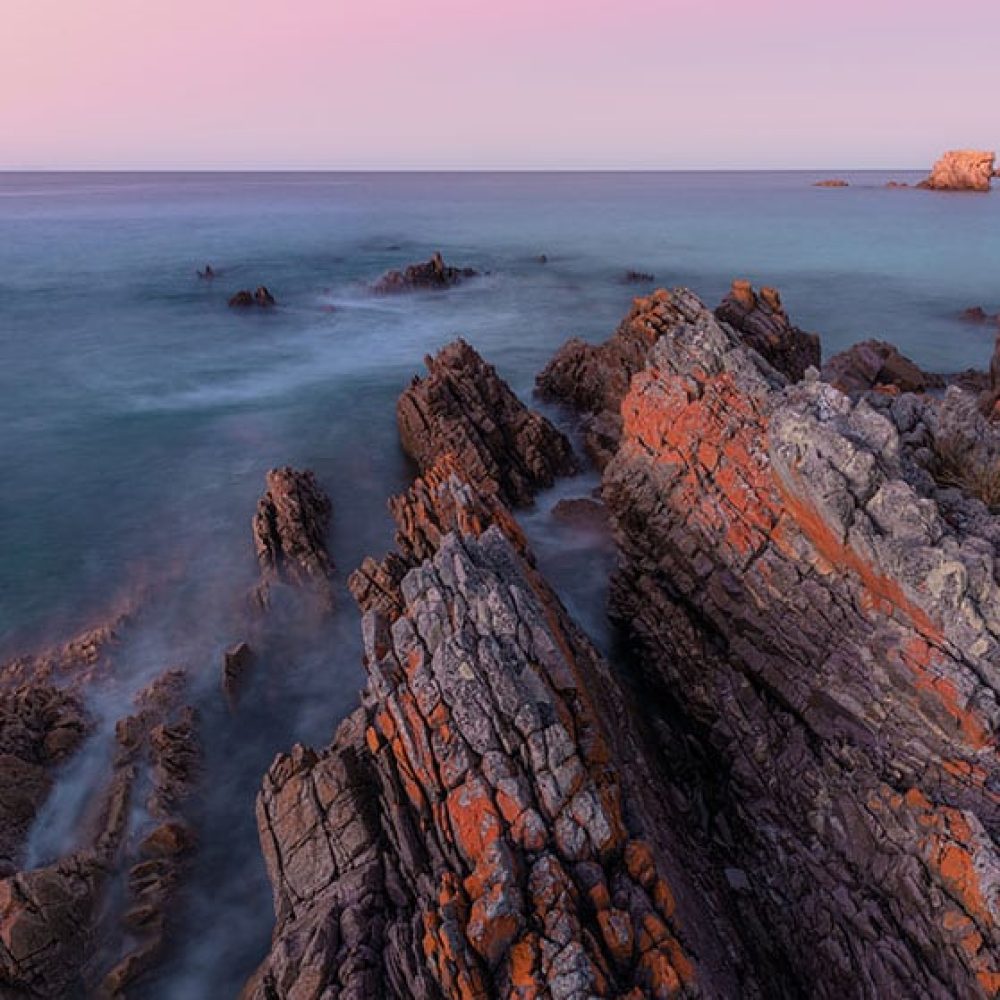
[{"x": 138, "y": 414}]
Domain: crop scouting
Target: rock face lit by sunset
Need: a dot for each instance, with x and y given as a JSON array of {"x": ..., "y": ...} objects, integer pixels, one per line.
[{"x": 500, "y": 502}]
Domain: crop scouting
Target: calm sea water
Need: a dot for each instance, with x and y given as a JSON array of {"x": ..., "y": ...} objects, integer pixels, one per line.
[{"x": 138, "y": 414}]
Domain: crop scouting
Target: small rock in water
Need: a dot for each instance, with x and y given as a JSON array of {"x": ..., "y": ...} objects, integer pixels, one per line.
[
  {"x": 245, "y": 299},
  {"x": 834, "y": 182},
  {"x": 639, "y": 277}
]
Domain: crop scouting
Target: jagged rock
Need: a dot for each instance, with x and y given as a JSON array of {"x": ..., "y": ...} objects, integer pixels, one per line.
[
  {"x": 236, "y": 664},
  {"x": 832, "y": 183},
  {"x": 40, "y": 728},
  {"x": 431, "y": 274},
  {"x": 961, "y": 170},
  {"x": 819, "y": 626},
  {"x": 474, "y": 829},
  {"x": 289, "y": 530},
  {"x": 57, "y": 934},
  {"x": 463, "y": 408},
  {"x": 875, "y": 364},
  {"x": 245, "y": 299},
  {"x": 593, "y": 378},
  {"x": 762, "y": 323}
]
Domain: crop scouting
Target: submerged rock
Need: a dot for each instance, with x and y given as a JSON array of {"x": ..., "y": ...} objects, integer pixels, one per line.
[
  {"x": 463, "y": 408},
  {"x": 961, "y": 170},
  {"x": 289, "y": 532},
  {"x": 761, "y": 321},
  {"x": 261, "y": 298},
  {"x": 818, "y": 628},
  {"x": 431, "y": 274}
]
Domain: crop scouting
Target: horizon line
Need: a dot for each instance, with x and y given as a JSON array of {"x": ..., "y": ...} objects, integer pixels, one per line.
[{"x": 457, "y": 170}]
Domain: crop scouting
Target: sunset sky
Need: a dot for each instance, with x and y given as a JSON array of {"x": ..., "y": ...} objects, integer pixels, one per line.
[{"x": 468, "y": 84}]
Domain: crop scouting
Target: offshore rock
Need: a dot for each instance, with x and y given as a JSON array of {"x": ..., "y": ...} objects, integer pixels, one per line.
[
  {"x": 261, "y": 298},
  {"x": 833, "y": 182},
  {"x": 820, "y": 626},
  {"x": 593, "y": 378},
  {"x": 763, "y": 324},
  {"x": 289, "y": 531},
  {"x": 431, "y": 274},
  {"x": 875, "y": 364},
  {"x": 464, "y": 409},
  {"x": 961, "y": 170},
  {"x": 484, "y": 825}
]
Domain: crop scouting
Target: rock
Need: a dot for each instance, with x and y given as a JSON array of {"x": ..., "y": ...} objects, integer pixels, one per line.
[
  {"x": 639, "y": 278},
  {"x": 875, "y": 364},
  {"x": 832, "y": 183},
  {"x": 818, "y": 631},
  {"x": 593, "y": 378},
  {"x": 977, "y": 314},
  {"x": 762, "y": 322},
  {"x": 432, "y": 274},
  {"x": 463, "y": 408},
  {"x": 582, "y": 512},
  {"x": 260, "y": 298},
  {"x": 896, "y": 184},
  {"x": 473, "y": 829},
  {"x": 237, "y": 661},
  {"x": 208, "y": 273},
  {"x": 542, "y": 259},
  {"x": 961, "y": 170},
  {"x": 289, "y": 531}
]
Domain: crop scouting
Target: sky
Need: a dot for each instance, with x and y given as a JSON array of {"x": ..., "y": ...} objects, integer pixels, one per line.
[{"x": 507, "y": 84}]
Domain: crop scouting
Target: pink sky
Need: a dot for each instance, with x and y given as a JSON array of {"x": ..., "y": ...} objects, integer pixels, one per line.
[{"x": 513, "y": 83}]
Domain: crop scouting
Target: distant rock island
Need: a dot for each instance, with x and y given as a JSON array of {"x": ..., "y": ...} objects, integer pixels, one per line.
[{"x": 962, "y": 170}]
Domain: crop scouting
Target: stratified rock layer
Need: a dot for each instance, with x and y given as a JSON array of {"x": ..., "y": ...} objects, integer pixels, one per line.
[
  {"x": 820, "y": 627},
  {"x": 961, "y": 170},
  {"x": 483, "y": 826},
  {"x": 763, "y": 324},
  {"x": 289, "y": 530},
  {"x": 464, "y": 409}
]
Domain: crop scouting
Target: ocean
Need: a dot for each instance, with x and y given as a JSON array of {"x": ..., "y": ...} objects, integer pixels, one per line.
[{"x": 139, "y": 414}]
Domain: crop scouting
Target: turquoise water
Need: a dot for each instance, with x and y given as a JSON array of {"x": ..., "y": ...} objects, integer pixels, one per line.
[{"x": 138, "y": 414}]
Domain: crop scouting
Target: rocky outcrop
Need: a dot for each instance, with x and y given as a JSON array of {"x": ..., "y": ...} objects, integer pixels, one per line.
[
  {"x": 833, "y": 182},
  {"x": 63, "y": 926},
  {"x": 961, "y": 170},
  {"x": 977, "y": 314},
  {"x": 289, "y": 531},
  {"x": 763, "y": 324},
  {"x": 260, "y": 298},
  {"x": 818, "y": 629},
  {"x": 237, "y": 662},
  {"x": 484, "y": 825},
  {"x": 430, "y": 275},
  {"x": 464, "y": 409},
  {"x": 593, "y": 378},
  {"x": 877, "y": 365}
]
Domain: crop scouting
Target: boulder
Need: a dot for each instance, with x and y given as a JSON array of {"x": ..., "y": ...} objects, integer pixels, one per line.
[
  {"x": 878, "y": 365},
  {"x": 463, "y": 408},
  {"x": 961, "y": 170}
]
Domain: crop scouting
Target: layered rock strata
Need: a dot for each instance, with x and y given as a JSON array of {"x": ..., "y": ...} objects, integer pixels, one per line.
[
  {"x": 819, "y": 624},
  {"x": 289, "y": 532},
  {"x": 485, "y": 824},
  {"x": 961, "y": 170},
  {"x": 763, "y": 324},
  {"x": 464, "y": 409}
]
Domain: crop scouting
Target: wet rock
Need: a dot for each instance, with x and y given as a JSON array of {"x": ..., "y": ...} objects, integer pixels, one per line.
[
  {"x": 818, "y": 629},
  {"x": 245, "y": 299},
  {"x": 961, "y": 170},
  {"x": 430, "y": 275},
  {"x": 833, "y": 182},
  {"x": 875, "y": 364},
  {"x": 474, "y": 830},
  {"x": 582, "y": 512},
  {"x": 237, "y": 661},
  {"x": 463, "y": 408},
  {"x": 762, "y": 323},
  {"x": 289, "y": 531},
  {"x": 593, "y": 378},
  {"x": 639, "y": 278}
]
